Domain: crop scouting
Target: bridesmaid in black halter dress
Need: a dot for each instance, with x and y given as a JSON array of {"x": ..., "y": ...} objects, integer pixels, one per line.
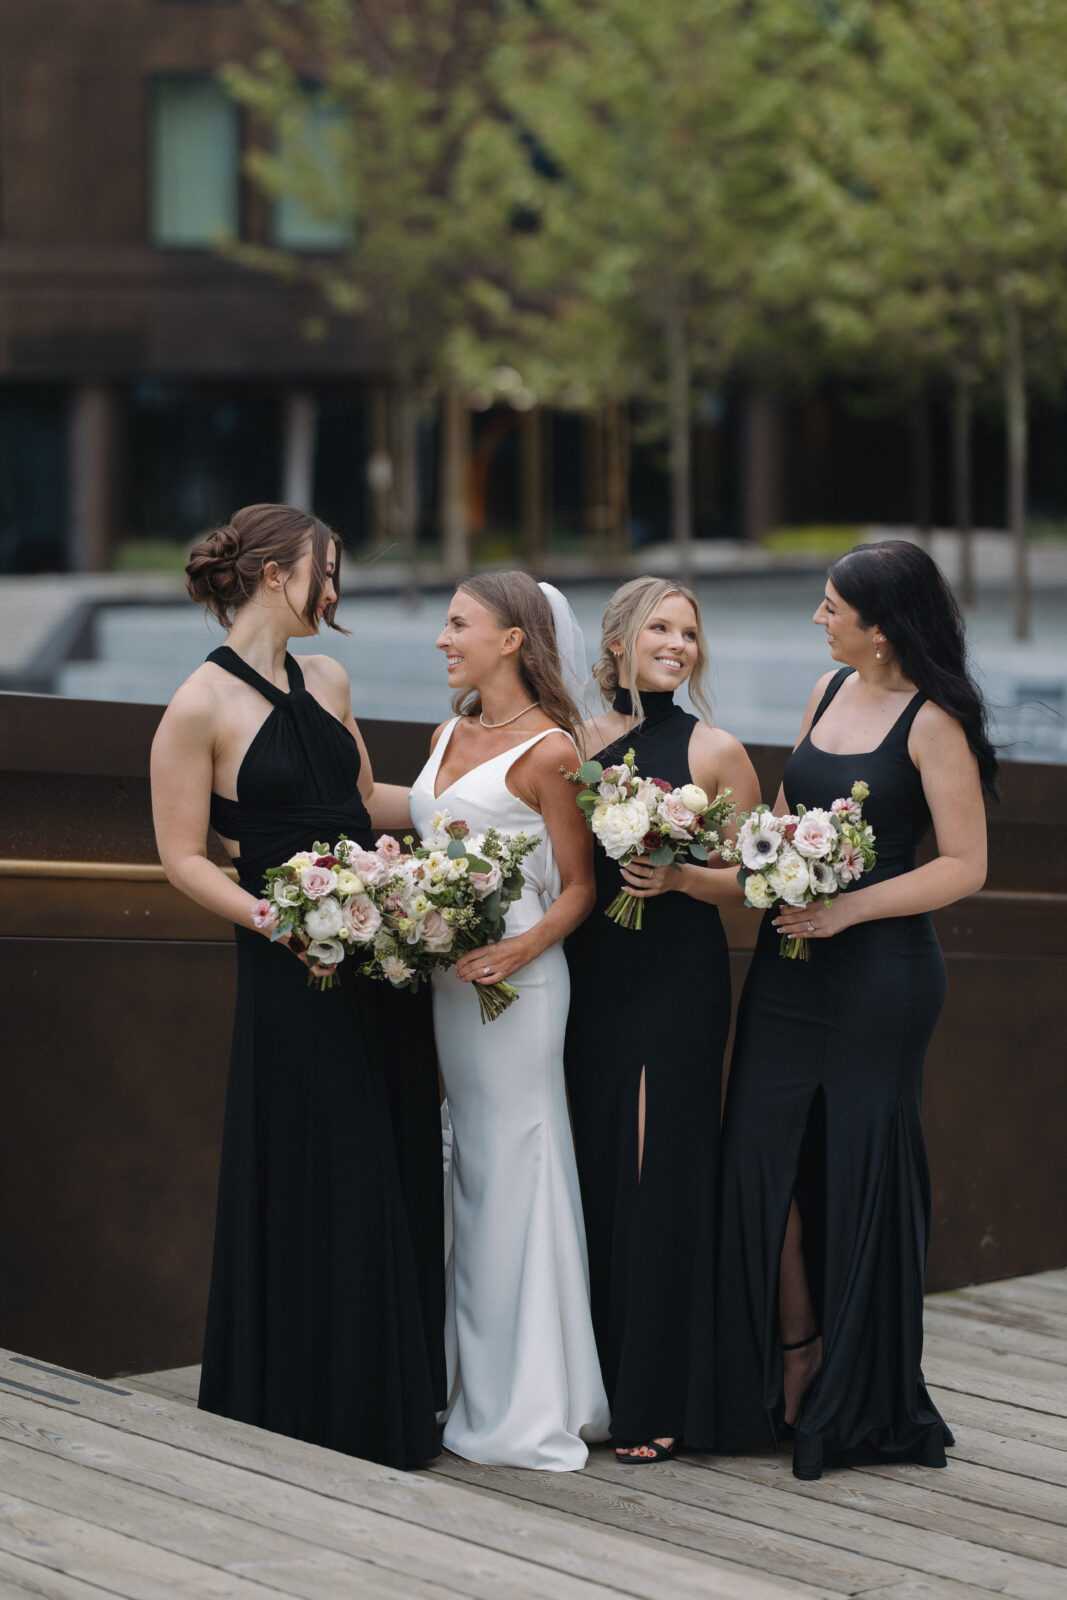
[
  {"x": 318, "y": 1326},
  {"x": 822, "y": 1141},
  {"x": 649, "y": 1016}
]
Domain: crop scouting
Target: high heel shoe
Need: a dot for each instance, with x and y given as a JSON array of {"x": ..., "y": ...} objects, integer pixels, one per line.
[{"x": 789, "y": 1428}]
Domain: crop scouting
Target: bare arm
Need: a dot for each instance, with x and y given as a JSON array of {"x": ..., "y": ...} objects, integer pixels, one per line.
[
  {"x": 544, "y": 787},
  {"x": 182, "y": 767},
  {"x": 953, "y": 791}
]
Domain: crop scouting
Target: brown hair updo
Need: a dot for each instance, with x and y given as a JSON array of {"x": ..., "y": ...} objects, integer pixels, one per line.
[
  {"x": 626, "y": 614},
  {"x": 226, "y": 567},
  {"x": 515, "y": 600}
]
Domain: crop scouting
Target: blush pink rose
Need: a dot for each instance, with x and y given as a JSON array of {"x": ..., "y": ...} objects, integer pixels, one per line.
[
  {"x": 679, "y": 819},
  {"x": 437, "y": 932},
  {"x": 816, "y": 836},
  {"x": 485, "y": 882},
  {"x": 361, "y": 917},
  {"x": 368, "y": 866},
  {"x": 388, "y": 848},
  {"x": 264, "y": 915},
  {"x": 317, "y": 882}
]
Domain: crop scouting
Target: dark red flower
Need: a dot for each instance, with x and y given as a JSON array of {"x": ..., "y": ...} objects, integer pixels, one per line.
[
  {"x": 651, "y": 841},
  {"x": 661, "y": 783},
  {"x": 326, "y": 861}
]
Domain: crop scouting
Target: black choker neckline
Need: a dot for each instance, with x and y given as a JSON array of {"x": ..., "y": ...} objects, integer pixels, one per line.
[{"x": 656, "y": 704}]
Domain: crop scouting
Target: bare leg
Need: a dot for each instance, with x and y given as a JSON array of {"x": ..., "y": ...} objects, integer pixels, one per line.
[
  {"x": 641, "y": 1452},
  {"x": 798, "y": 1321}
]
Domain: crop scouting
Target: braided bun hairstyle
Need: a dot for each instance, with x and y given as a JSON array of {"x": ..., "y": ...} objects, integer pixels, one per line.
[
  {"x": 226, "y": 567},
  {"x": 629, "y": 611}
]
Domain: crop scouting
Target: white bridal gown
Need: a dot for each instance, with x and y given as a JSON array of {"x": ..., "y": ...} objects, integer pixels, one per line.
[{"x": 524, "y": 1380}]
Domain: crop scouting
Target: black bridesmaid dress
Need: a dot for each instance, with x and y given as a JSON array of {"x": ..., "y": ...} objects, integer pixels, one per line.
[
  {"x": 657, "y": 1000},
  {"x": 317, "y": 1324},
  {"x": 825, "y": 1102}
]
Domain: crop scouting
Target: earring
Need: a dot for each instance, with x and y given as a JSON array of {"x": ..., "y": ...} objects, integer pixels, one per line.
[{"x": 878, "y": 653}]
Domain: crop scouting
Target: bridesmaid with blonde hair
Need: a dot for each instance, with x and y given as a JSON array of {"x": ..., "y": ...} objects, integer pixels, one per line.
[{"x": 649, "y": 1016}]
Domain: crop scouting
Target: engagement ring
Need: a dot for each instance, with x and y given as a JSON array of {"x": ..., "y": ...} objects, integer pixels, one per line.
[
  {"x": 811, "y": 927},
  {"x": 486, "y": 971}
]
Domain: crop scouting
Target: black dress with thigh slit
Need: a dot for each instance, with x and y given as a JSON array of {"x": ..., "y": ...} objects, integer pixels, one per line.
[
  {"x": 656, "y": 1001},
  {"x": 825, "y": 1102},
  {"x": 317, "y": 1326}
]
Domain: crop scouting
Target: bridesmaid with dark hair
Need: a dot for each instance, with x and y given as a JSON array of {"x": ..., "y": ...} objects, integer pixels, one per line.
[
  {"x": 826, "y": 1193},
  {"x": 649, "y": 1016},
  {"x": 318, "y": 1326}
]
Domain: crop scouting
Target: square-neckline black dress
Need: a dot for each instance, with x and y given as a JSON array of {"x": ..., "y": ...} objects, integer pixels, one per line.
[
  {"x": 824, "y": 1100},
  {"x": 318, "y": 1326}
]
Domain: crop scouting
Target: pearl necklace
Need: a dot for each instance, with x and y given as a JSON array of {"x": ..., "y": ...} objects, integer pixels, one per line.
[{"x": 531, "y": 707}]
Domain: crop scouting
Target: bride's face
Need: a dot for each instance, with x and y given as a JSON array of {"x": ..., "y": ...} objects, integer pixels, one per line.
[
  {"x": 666, "y": 648},
  {"x": 475, "y": 645}
]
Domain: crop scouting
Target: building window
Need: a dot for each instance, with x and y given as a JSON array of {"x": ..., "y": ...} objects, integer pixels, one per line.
[
  {"x": 195, "y": 155},
  {"x": 313, "y": 150}
]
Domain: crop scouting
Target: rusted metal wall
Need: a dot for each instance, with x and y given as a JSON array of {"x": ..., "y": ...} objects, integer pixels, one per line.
[{"x": 116, "y": 998}]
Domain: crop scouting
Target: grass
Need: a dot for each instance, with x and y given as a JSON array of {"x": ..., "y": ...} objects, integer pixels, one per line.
[
  {"x": 150, "y": 555},
  {"x": 829, "y": 540}
]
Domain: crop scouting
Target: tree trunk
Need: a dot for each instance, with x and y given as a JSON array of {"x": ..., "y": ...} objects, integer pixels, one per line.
[
  {"x": 617, "y": 477},
  {"x": 762, "y": 464},
  {"x": 407, "y": 490},
  {"x": 1016, "y": 423},
  {"x": 531, "y": 487},
  {"x": 961, "y": 473},
  {"x": 91, "y": 454},
  {"x": 455, "y": 469},
  {"x": 922, "y": 465},
  {"x": 678, "y": 411},
  {"x": 380, "y": 470}
]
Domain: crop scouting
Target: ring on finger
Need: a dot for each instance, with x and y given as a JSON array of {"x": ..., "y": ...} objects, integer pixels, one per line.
[{"x": 811, "y": 927}]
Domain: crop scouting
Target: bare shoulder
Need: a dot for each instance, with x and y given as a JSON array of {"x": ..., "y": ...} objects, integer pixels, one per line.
[
  {"x": 547, "y": 753},
  {"x": 715, "y": 744},
  {"x": 328, "y": 677},
  {"x": 198, "y": 699},
  {"x": 935, "y": 731},
  {"x": 438, "y": 731}
]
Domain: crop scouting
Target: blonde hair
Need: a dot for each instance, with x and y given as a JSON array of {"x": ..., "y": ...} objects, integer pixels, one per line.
[
  {"x": 626, "y": 614},
  {"x": 515, "y": 601}
]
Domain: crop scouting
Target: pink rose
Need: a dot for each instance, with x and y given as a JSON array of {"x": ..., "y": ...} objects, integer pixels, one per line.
[
  {"x": 486, "y": 882},
  {"x": 361, "y": 917},
  {"x": 437, "y": 932},
  {"x": 317, "y": 882},
  {"x": 816, "y": 836},
  {"x": 368, "y": 866},
  {"x": 388, "y": 848},
  {"x": 264, "y": 915},
  {"x": 679, "y": 819}
]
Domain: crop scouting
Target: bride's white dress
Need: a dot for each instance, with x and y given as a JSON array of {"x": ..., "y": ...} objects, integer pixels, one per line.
[{"x": 524, "y": 1380}]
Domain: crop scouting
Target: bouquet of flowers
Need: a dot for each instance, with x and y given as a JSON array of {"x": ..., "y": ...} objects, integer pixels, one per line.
[
  {"x": 803, "y": 857},
  {"x": 449, "y": 895},
  {"x": 636, "y": 816},
  {"x": 403, "y": 913}
]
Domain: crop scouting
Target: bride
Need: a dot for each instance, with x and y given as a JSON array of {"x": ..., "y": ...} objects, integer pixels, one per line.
[{"x": 524, "y": 1378}]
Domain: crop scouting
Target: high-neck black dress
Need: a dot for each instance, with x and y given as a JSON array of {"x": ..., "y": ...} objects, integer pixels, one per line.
[
  {"x": 318, "y": 1326},
  {"x": 825, "y": 1102},
  {"x": 656, "y": 1001}
]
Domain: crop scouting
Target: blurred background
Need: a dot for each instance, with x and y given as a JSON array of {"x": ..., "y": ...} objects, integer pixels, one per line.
[{"x": 592, "y": 288}]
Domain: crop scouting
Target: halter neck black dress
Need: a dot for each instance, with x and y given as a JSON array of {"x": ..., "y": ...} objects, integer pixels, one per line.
[
  {"x": 315, "y": 1324},
  {"x": 825, "y": 1101},
  {"x": 656, "y": 1001}
]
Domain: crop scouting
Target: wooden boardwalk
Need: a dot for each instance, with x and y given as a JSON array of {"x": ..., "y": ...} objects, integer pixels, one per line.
[{"x": 123, "y": 1488}]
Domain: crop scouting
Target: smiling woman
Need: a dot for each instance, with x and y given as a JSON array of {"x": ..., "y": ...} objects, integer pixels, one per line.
[{"x": 315, "y": 1319}]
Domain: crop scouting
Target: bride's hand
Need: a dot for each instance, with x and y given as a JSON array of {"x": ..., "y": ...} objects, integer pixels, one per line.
[
  {"x": 493, "y": 962},
  {"x": 643, "y": 880}
]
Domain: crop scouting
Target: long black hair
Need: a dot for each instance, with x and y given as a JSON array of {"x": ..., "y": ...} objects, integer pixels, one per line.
[{"x": 895, "y": 586}]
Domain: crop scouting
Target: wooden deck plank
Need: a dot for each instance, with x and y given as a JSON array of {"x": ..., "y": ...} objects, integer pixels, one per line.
[
  {"x": 786, "y": 1556},
  {"x": 1000, "y": 1417},
  {"x": 952, "y": 1363},
  {"x": 962, "y": 1321},
  {"x": 855, "y": 1521},
  {"x": 1022, "y": 1292},
  {"x": 174, "y": 1525},
  {"x": 1013, "y": 1313},
  {"x": 116, "y": 1562},
  {"x": 19, "y": 1576},
  {"x": 412, "y": 1500}
]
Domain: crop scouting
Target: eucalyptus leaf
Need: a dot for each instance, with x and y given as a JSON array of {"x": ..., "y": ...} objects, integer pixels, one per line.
[
  {"x": 590, "y": 772},
  {"x": 697, "y": 851},
  {"x": 456, "y": 848},
  {"x": 662, "y": 857}
]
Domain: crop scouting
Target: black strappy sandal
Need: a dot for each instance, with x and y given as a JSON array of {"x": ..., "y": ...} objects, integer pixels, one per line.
[
  {"x": 660, "y": 1452},
  {"x": 789, "y": 1428}
]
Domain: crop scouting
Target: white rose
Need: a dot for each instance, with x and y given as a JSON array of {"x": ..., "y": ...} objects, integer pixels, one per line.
[
  {"x": 789, "y": 878},
  {"x": 758, "y": 892},
  {"x": 816, "y": 836},
  {"x": 303, "y": 858},
  {"x": 324, "y": 920},
  {"x": 619, "y": 828},
  {"x": 362, "y": 918},
  {"x": 759, "y": 847},
  {"x": 325, "y": 952},
  {"x": 285, "y": 894},
  {"x": 348, "y": 882},
  {"x": 395, "y": 970},
  {"x": 693, "y": 796}
]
